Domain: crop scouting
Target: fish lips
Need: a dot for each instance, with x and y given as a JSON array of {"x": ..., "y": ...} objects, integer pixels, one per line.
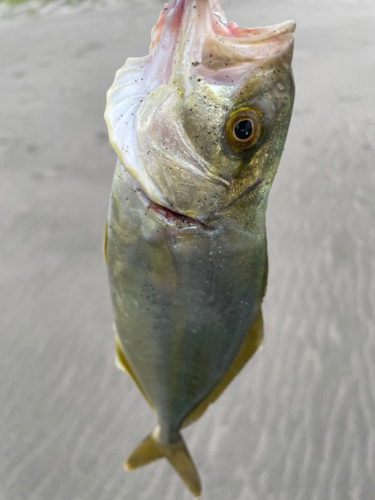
[
  {"x": 249, "y": 47},
  {"x": 268, "y": 32}
]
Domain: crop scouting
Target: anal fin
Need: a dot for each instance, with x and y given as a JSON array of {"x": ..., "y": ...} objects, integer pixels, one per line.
[{"x": 123, "y": 364}]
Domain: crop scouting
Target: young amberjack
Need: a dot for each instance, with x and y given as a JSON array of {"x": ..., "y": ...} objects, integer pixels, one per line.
[{"x": 199, "y": 126}]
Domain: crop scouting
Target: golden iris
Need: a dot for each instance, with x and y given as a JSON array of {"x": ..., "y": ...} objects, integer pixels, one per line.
[{"x": 243, "y": 129}]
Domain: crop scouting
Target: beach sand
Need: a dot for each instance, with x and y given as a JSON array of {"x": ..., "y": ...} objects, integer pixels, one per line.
[{"x": 299, "y": 422}]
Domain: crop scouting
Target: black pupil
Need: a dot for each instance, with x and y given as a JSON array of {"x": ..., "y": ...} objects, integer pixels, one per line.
[{"x": 243, "y": 130}]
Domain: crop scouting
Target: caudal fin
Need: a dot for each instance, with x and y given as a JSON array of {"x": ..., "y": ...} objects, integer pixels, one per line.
[{"x": 150, "y": 449}]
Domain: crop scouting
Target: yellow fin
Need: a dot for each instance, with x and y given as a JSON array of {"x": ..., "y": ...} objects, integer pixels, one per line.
[
  {"x": 123, "y": 364},
  {"x": 251, "y": 344},
  {"x": 146, "y": 452},
  {"x": 176, "y": 453},
  {"x": 105, "y": 242}
]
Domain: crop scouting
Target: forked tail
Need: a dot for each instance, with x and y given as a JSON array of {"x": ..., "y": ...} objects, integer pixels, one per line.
[{"x": 176, "y": 453}]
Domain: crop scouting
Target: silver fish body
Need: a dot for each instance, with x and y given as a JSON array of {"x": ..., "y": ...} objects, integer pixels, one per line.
[
  {"x": 199, "y": 140},
  {"x": 184, "y": 298}
]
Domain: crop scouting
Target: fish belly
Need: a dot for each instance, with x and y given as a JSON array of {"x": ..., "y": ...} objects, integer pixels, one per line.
[{"x": 183, "y": 303}]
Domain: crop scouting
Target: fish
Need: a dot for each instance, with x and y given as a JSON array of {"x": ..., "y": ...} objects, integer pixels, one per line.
[{"x": 199, "y": 126}]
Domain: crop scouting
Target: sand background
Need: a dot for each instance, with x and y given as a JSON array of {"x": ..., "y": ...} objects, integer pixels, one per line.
[{"x": 299, "y": 421}]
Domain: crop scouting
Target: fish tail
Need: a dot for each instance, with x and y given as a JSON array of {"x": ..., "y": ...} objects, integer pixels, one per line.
[{"x": 151, "y": 449}]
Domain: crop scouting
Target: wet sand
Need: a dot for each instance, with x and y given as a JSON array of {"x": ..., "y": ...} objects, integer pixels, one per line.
[{"x": 299, "y": 422}]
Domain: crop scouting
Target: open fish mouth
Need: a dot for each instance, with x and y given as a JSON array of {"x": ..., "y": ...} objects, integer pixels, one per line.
[{"x": 151, "y": 108}]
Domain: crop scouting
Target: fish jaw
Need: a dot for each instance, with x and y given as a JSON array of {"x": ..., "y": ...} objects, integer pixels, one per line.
[{"x": 166, "y": 112}]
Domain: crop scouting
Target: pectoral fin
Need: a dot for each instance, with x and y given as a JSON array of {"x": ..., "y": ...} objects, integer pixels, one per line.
[{"x": 251, "y": 344}]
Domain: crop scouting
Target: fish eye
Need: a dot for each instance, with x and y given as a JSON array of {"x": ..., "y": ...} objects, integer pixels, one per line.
[{"x": 243, "y": 129}]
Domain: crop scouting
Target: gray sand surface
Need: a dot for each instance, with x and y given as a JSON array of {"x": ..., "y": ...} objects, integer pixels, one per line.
[{"x": 299, "y": 422}]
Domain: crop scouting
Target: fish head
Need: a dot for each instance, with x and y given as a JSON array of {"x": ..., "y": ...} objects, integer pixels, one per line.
[{"x": 200, "y": 123}]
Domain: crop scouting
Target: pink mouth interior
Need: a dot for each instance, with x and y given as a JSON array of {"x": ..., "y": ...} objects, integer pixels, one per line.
[{"x": 176, "y": 9}]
